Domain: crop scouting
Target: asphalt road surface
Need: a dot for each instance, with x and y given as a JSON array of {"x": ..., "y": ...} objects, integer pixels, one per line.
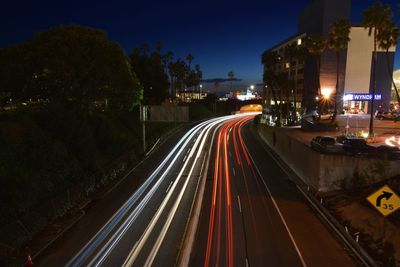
[
  {"x": 149, "y": 227},
  {"x": 252, "y": 215}
]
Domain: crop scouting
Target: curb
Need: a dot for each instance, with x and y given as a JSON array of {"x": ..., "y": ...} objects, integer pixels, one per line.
[
  {"x": 191, "y": 227},
  {"x": 37, "y": 254}
]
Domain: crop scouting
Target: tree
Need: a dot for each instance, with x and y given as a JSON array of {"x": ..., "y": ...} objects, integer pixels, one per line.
[
  {"x": 387, "y": 38},
  {"x": 193, "y": 77},
  {"x": 151, "y": 74},
  {"x": 189, "y": 59},
  {"x": 158, "y": 47},
  {"x": 269, "y": 59},
  {"x": 338, "y": 39},
  {"x": 166, "y": 59},
  {"x": 316, "y": 45},
  {"x": 70, "y": 63},
  {"x": 178, "y": 71},
  {"x": 231, "y": 75},
  {"x": 375, "y": 18},
  {"x": 290, "y": 53}
]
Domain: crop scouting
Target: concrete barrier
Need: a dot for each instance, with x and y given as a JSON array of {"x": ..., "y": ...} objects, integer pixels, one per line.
[{"x": 326, "y": 172}]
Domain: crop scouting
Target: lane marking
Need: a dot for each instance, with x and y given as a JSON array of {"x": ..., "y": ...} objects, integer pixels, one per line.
[
  {"x": 96, "y": 240},
  {"x": 279, "y": 211},
  {"x": 240, "y": 206},
  {"x": 169, "y": 186},
  {"x": 184, "y": 158}
]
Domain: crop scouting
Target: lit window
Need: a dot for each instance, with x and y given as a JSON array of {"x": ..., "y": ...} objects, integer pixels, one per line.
[
  {"x": 299, "y": 41},
  {"x": 287, "y": 65}
]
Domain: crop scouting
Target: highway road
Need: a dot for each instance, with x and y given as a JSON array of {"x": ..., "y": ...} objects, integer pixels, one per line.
[
  {"x": 148, "y": 229},
  {"x": 252, "y": 215}
]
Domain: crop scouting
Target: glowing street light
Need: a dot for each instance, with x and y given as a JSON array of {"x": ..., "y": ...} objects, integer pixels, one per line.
[{"x": 326, "y": 92}]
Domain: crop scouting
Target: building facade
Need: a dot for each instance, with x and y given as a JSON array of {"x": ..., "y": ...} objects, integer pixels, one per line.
[{"x": 356, "y": 62}]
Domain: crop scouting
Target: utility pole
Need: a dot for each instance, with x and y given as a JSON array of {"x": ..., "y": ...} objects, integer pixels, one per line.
[{"x": 143, "y": 117}]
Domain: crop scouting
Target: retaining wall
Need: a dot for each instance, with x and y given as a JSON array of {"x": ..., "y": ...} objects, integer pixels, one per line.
[{"x": 326, "y": 172}]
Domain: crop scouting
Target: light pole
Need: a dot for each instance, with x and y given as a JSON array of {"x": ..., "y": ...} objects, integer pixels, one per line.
[
  {"x": 201, "y": 86},
  {"x": 143, "y": 117}
]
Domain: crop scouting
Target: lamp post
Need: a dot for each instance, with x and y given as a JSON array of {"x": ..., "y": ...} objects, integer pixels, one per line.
[
  {"x": 143, "y": 118},
  {"x": 201, "y": 86}
]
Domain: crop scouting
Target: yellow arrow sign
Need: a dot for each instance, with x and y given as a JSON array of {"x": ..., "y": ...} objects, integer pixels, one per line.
[{"x": 385, "y": 200}]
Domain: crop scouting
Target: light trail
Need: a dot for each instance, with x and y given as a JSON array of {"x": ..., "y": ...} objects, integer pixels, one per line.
[
  {"x": 99, "y": 248},
  {"x": 137, "y": 249},
  {"x": 222, "y": 185}
]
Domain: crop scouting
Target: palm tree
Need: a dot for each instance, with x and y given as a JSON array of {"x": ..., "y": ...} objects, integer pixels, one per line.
[
  {"x": 158, "y": 47},
  {"x": 198, "y": 77},
  {"x": 269, "y": 59},
  {"x": 387, "y": 38},
  {"x": 374, "y": 18},
  {"x": 144, "y": 48},
  {"x": 166, "y": 60},
  {"x": 231, "y": 75},
  {"x": 289, "y": 54},
  {"x": 316, "y": 45},
  {"x": 338, "y": 39},
  {"x": 189, "y": 59}
]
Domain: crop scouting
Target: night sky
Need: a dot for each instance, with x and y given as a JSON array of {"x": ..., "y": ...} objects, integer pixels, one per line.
[{"x": 222, "y": 35}]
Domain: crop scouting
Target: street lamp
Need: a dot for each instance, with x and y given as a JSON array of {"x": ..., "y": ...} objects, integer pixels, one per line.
[
  {"x": 201, "y": 86},
  {"x": 326, "y": 92}
]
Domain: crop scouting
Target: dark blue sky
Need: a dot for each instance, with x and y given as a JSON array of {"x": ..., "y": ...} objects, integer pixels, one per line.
[{"x": 222, "y": 35}]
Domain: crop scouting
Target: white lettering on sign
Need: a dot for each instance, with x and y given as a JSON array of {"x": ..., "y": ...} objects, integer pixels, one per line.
[{"x": 361, "y": 97}]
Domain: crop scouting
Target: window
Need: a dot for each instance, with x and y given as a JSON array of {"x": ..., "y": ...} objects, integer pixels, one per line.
[
  {"x": 299, "y": 41},
  {"x": 287, "y": 65}
]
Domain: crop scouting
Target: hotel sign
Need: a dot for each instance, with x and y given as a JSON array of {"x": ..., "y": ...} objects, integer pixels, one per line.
[{"x": 361, "y": 97}]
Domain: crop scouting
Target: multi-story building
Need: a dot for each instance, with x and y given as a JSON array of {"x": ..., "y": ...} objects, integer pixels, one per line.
[
  {"x": 356, "y": 62},
  {"x": 291, "y": 66}
]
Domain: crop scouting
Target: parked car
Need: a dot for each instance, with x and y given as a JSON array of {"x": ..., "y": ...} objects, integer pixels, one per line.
[
  {"x": 356, "y": 146},
  {"x": 388, "y": 115},
  {"x": 326, "y": 144}
]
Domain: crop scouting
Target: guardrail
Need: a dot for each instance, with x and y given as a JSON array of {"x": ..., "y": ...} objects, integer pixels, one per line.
[{"x": 317, "y": 205}]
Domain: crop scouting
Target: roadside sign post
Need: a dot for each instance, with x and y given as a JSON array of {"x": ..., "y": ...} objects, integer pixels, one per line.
[
  {"x": 386, "y": 201},
  {"x": 143, "y": 118}
]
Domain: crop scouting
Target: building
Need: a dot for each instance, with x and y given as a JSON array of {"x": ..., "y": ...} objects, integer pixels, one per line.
[
  {"x": 355, "y": 68},
  {"x": 291, "y": 67},
  {"x": 191, "y": 96},
  {"x": 396, "y": 79}
]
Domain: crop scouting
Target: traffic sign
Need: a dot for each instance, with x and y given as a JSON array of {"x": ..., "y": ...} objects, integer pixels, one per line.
[{"x": 385, "y": 200}]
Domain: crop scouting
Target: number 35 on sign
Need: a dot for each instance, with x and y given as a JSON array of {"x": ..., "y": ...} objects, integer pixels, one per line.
[{"x": 385, "y": 200}]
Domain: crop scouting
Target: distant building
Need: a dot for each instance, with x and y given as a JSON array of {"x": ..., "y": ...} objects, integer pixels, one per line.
[
  {"x": 396, "y": 79},
  {"x": 356, "y": 65},
  {"x": 293, "y": 69},
  {"x": 190, "y": 96},
  {"x": 247, "y": 95}
]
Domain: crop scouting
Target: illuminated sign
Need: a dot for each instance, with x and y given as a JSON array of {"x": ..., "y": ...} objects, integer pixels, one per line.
[{"x": 361, "y": 97}]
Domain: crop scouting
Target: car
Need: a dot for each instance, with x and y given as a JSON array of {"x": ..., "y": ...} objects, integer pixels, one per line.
[
  {"x": 328, "y": 115},
  {"x": 356, "y": 146},
  {"x": 395, "y": 116},
  {"x": 326, "y": 144}
]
